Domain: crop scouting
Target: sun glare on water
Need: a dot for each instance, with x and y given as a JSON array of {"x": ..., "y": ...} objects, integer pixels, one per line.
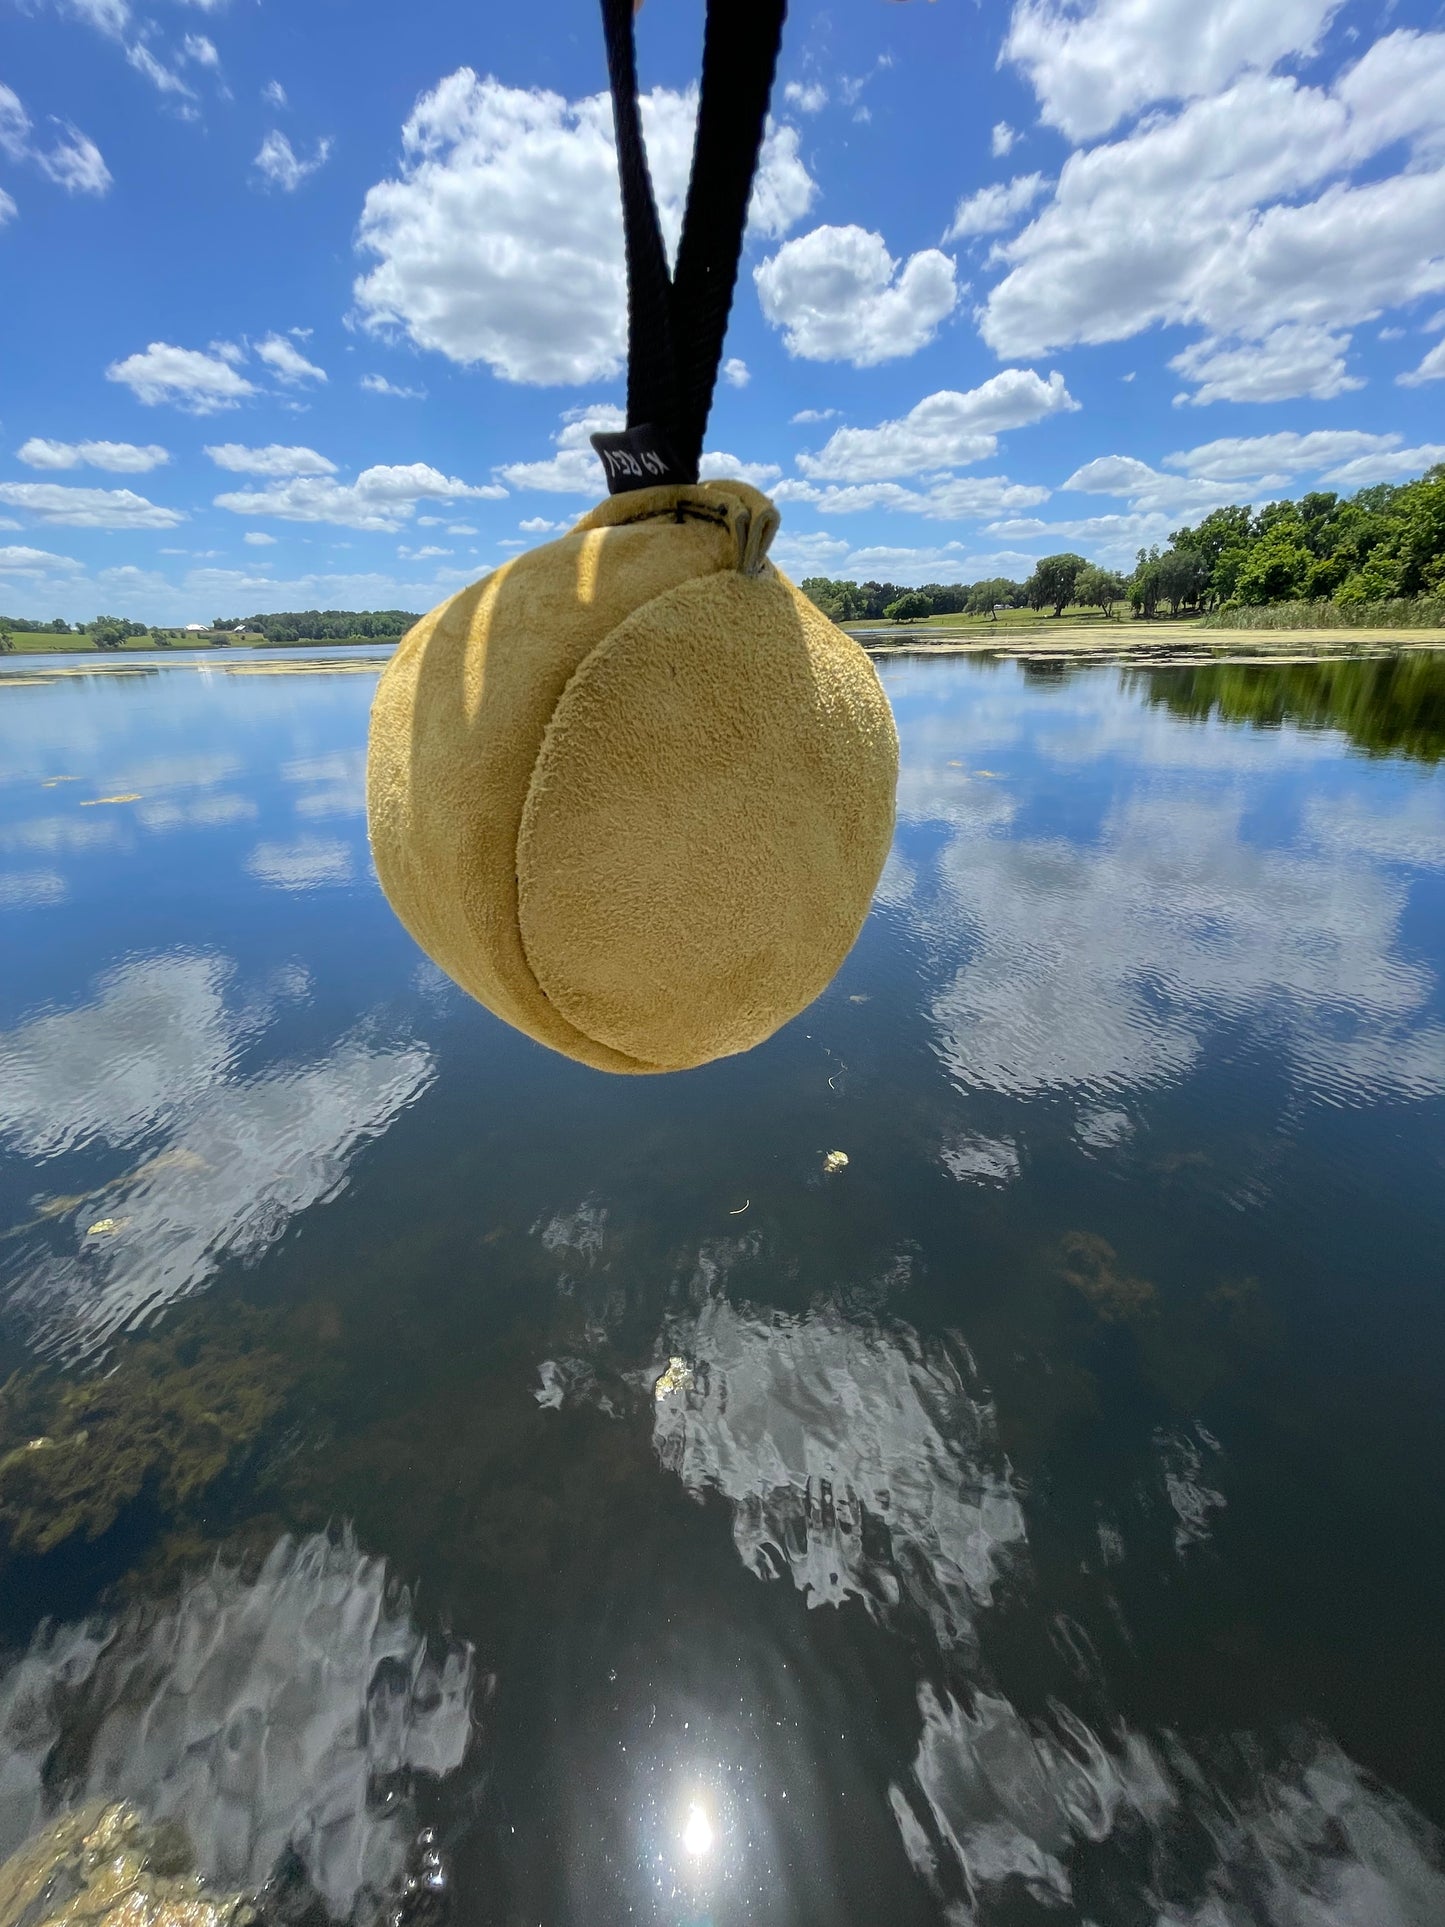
[{"x": 697, "y": 1835}]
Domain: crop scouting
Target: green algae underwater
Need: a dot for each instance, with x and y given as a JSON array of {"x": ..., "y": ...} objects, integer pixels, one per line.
[{"x": 1032, "y": 1519}]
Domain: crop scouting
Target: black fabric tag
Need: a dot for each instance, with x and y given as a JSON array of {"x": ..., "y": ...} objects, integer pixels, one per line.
[{"x": 638, "y": 458}]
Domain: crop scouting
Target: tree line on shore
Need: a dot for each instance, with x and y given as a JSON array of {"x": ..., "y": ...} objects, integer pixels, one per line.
[
  {"x": 307, "y": 625},
  {"x": 1381, "y": 544},
  {"x": 323, "y": 625}
]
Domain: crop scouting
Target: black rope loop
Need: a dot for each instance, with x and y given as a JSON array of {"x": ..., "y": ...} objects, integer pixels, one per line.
[{"x": 676, "y": 323}]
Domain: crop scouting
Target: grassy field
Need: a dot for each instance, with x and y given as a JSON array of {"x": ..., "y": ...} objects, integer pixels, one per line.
[
  {"x": 1084, "y": 632},
  {"x": 27, "y": 644},
  {"x": 1008, "y": 619}
]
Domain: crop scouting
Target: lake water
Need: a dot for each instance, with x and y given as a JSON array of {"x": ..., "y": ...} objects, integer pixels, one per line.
[{"x": 1037, "y": 1519}]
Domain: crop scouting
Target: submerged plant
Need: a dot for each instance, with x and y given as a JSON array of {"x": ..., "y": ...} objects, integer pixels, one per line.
[
  {"x": 169, "y": 1418},
  {"x": 1091, "y": 1267}
]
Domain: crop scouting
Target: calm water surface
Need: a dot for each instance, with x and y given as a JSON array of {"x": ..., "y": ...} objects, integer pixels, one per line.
[{"x": 1037, "y": 1519}]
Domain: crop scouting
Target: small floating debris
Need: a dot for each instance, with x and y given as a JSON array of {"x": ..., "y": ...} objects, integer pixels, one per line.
[
  {"x": 835, "y": 1160},
  {"x": 741, "y": 1208},
  {"x": 106, "y": 1227},
  {"x": 677, "y": 1378},
  {"x": 94, "y": 802},
  {"x": 860, "y": 997},
  {"x": 49, "y": 782}
]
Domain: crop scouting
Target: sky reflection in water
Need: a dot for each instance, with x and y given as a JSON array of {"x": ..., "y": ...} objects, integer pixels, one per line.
[{"x": 1041, "y": 1523}]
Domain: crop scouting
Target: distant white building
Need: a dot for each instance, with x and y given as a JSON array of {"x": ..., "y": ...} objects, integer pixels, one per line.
[{"x": 197, "y": 628}]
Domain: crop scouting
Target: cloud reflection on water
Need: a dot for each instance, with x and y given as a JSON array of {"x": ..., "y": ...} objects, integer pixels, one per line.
[
  {"x": 1099, "y": 960},
  {"x": 288, "y": 1710},
  {"x": 232, "y": 1157},
  {"x": 1251, "y": 1831},
  {"x": 854, "y": 1459}
]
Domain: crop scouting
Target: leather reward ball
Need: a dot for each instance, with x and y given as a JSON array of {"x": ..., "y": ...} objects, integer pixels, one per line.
[{"x": 632, "y": 791}]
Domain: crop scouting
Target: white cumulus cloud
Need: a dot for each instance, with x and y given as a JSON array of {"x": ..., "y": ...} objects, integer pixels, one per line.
[
  {"x": 163, "y": 78},
  {"x": 1092, "y": 65},
  {"x": 121, "y": 458},
  {"x": 274, "y": 459},
  {"x": 1294, "y": 359},
  {"x": 73, "y": 162},
  {"x": 1432, "y": 368},
  {"x": 499, "y": 240},
  {"x": 57, "y": 506},
  {"x": 1390, "y": 465},
  {"x": 379, "y": 385},
  {"x": 1205, "y": 217},
  {"x": 809, "y": 97},
  {"x": 995, "y": 207},
  {"x": 287, "y": 362},
  {"x": 574, "y": 469},
  {"x": 942, "y": 430},
  {"x": 950, "y": 499},
  {"x": 717, "y": 466},
  {"x": 735, "y": 372},
  {"x": 279, "y": 165},
  {"x": 383, "y": 497},
  {"x": 16, "y": 559},
  {"x": 1236, "y": 458},
  {"x": 839, "y": 295},
  {"x": 197, "y": 382}
]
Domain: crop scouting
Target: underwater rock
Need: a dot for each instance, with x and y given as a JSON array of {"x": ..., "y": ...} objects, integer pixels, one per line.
[
  {"x": 284, "y": 1714},
  {"x": 103, "y": 1867}
]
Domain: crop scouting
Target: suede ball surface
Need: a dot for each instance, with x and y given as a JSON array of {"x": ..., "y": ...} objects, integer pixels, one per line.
[{"x": 632, "y": 791}]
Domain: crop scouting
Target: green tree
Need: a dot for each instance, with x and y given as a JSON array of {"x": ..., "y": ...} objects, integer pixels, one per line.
[
  {"x": 1184, "y": 576},
  {"x": 995, "y": 590},
  {"x": 911, "y": 607},
  {"x": 1098, "y": 588},
  {"x": 1143, "y": 589},
  {"x": 108, "y": 632},
  {"x": 1277, "y": 567},
  {"x": 1053, "y": 580}
]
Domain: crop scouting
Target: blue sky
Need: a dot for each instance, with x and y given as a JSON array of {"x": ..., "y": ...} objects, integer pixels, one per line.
[{"x": 316, "y": 305}]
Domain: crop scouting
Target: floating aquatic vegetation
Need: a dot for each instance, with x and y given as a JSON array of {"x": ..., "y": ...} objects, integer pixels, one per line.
[
  {"x": 677, "y": 1378},
  {"x": 170, "y": 1418}
]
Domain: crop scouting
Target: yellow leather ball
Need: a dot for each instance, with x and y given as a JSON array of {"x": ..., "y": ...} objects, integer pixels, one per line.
[{"x": 633, "y": 791}]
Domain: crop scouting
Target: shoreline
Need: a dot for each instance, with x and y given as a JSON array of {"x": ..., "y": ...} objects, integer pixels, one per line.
[
  {"x": 1085, "y": 642},
  {"x": 1105, "y": 643}
]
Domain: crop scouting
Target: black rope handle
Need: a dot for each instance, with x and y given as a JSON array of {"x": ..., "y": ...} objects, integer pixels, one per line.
[{"x": 676, "y": 324}]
